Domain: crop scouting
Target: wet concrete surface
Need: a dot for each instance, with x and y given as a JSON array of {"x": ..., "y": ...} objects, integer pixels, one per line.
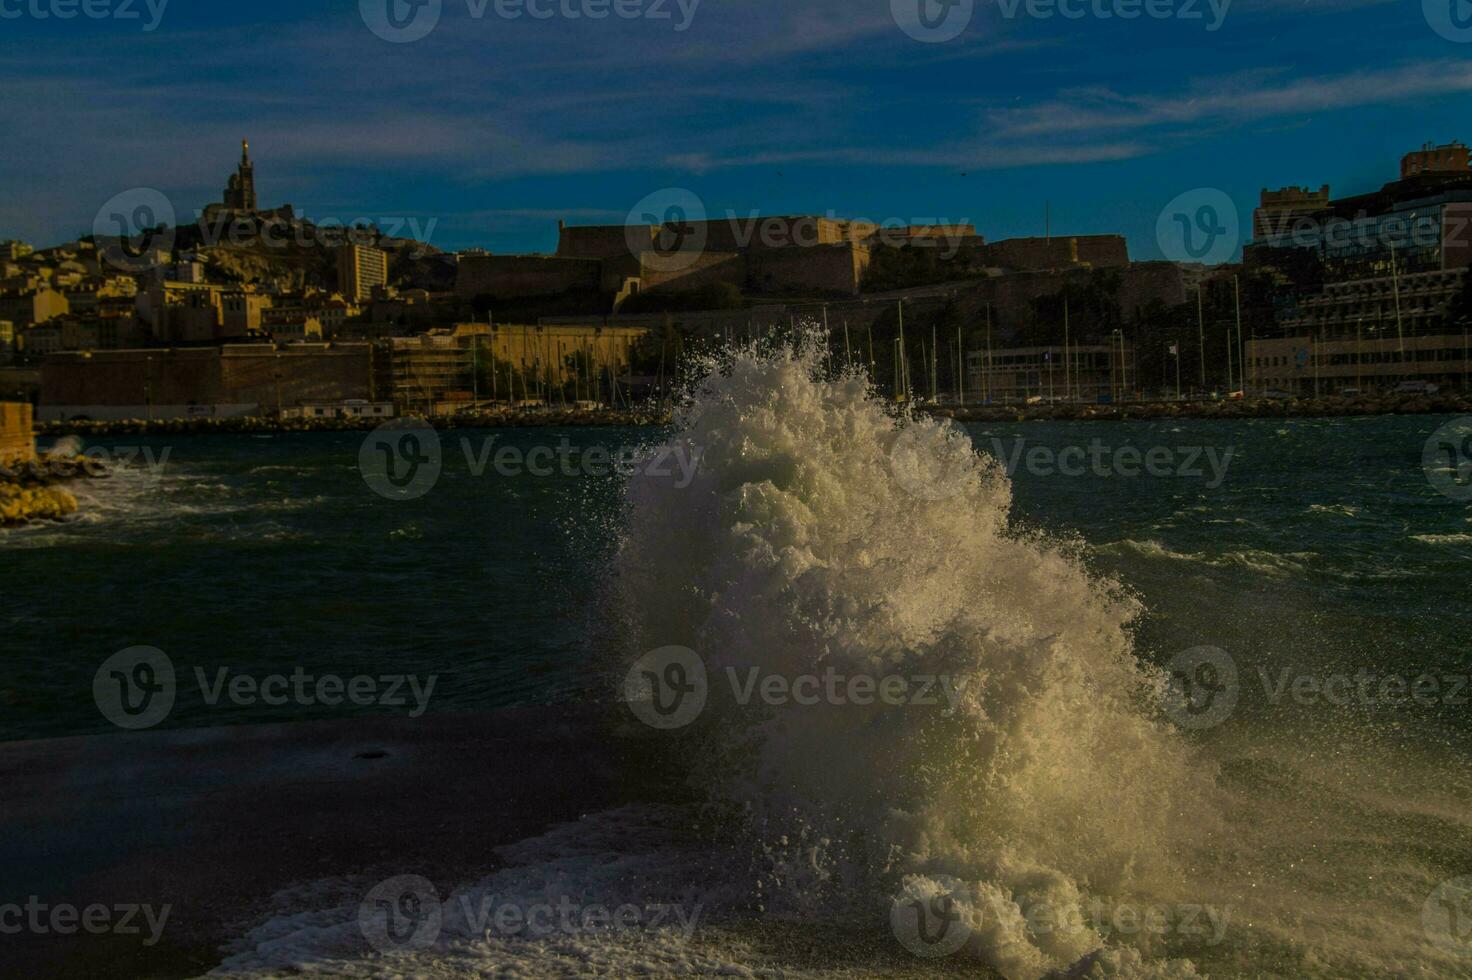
[{"x": 213, "y": 822}]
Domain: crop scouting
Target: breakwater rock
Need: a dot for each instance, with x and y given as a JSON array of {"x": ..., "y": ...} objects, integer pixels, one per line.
[
  {"x": 21, "y": 505},
  {"x": 30, "y": 488}
]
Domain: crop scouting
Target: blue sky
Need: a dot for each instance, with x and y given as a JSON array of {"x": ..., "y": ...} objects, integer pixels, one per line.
[{"x": 488, "y": 129}]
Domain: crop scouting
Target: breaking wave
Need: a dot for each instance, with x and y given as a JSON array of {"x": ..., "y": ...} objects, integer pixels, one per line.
[{"x": 825, "y": 534}]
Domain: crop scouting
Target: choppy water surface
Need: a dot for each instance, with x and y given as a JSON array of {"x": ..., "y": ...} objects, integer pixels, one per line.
[{"x": 1311, "y": 823}]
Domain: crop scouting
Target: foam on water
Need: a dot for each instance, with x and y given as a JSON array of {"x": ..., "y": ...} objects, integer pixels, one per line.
[{"x": 1274, "y": 564}]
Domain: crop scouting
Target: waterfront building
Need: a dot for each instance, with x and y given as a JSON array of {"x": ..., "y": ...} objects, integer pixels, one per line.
[
  {"x": 1388, "y": 269},
  {"x": 1082, "y": 373},
  {"x": 1326, "y": 365},
  {"x": 428, "y": 373}
]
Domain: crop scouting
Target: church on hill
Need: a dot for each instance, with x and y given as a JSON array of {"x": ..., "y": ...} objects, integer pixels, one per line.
[{"x": 240, "y": 199}]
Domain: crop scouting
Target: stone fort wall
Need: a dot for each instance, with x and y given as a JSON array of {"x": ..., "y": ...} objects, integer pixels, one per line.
[{"x": 235, "y": 375}]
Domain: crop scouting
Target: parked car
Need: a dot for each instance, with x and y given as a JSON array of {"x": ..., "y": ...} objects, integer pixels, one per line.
[
  {"x": 1350, "y": 392},
  {"x": 1279, "y": 395},
  {"x": 1416, "y": 388}
]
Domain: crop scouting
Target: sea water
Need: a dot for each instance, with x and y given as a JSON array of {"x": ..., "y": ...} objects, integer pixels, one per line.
[{"x": 1078, "y": 810}]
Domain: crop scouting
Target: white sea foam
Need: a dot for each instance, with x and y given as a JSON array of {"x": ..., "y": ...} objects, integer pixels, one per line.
[
  {"x": 1442, "y": 538},
  {"x": 1277, "y": 565},
  {"x": 814, "y": 538},
  {"x": 1340, "y": 510}
]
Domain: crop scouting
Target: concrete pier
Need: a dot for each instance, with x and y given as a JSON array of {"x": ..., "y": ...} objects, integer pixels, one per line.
[{"x": 213, "y": 822}]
